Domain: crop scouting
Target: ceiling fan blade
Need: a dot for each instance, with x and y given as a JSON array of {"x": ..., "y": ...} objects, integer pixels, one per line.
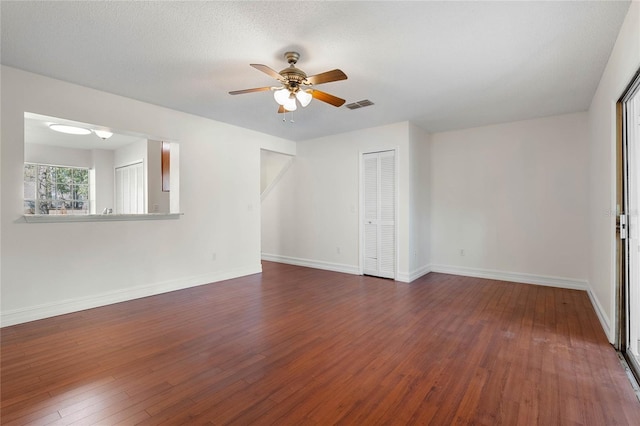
[
  {"x": 257, "y": 89},
  {"x": 327, "y": 77},
  {"x": 269, "y": 71},
  {"x": 325, "y": 97}
]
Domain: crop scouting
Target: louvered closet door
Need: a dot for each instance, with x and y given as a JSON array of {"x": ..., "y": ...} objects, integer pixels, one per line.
[
  {"x": 379, "y": 198},
  {"x": 130, "y": 189}
]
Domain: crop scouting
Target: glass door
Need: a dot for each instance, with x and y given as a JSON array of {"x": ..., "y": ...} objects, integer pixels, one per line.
[{"x": 629, "y": 228}]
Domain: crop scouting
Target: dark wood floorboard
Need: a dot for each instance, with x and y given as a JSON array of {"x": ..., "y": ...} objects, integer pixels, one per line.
[{"x": 302, "y": 346}]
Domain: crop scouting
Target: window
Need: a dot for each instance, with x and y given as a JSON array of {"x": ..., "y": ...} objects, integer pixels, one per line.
[{"x": 55, "y": 189}]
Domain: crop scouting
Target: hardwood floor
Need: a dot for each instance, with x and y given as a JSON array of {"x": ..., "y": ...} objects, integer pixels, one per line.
[{"x": 302, "y": 346}]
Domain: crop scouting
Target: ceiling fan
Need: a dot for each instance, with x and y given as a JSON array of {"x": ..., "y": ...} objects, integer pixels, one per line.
[{"x": 296, "y": 85}]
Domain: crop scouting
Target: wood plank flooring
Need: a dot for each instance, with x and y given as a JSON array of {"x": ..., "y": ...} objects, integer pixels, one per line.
[{"x": 302, "y": 346}]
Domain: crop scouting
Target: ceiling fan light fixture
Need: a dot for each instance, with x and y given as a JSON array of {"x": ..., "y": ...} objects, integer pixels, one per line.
[
  {"x": 290, "y": 104},
  {"x": 70, "y": 130},
  {"x": 304, "y": 97},
  {"x": 103, "y": 134},
  {"x": 281, "y": 96},
  {"x": 293, "y": 82}
]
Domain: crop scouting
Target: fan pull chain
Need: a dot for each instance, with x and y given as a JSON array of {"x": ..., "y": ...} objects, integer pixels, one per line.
[{"x": 284, "y": 116}]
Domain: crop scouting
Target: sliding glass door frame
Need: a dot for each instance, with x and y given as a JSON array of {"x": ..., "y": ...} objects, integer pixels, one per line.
[{"x": 627, "y": 220}]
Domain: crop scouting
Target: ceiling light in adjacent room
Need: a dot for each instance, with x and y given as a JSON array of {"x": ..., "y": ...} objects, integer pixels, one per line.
[
  {"x": 71, "y": 130},
  {"x": 103, "y": 134}
]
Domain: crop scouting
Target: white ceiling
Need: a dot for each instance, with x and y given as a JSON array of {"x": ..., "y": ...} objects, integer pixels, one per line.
[
  {"x": 37, "y": 131},
  {"x": 441, "y": 65}
]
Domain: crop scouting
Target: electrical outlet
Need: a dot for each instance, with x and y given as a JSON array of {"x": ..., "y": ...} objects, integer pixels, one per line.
[
  {"x": 213, "y": 257},
  {"x": 461, "y": 252},
  {"x": 338, "y": 250}
]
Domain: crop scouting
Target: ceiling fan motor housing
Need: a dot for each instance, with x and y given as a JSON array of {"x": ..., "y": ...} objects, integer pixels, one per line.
[{"x": 293, "y": 77}]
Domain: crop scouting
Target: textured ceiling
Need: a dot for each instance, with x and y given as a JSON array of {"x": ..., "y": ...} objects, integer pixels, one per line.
[
  {"x": 37, "y": 131},
  {"x": 441, "y": 65}
]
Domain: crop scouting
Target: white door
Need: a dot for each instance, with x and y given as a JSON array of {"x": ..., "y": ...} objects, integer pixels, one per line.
[
  {"x": 379, "y": 213},
  {"x": 130, "y": 189}
]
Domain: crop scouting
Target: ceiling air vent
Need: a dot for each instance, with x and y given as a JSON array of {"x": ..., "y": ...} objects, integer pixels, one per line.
[{"x": 359, "y": 104}]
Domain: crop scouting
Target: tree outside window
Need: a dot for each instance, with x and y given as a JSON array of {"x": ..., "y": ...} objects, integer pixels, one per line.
[{"x": 55, "y": 189}]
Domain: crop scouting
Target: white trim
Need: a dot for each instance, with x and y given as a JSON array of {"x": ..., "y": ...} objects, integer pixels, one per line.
[
  {"x": 413, "y": 275},
  {"x": 64, "y": 218},
  {"x": 602, "y": 316},
  {"x": 46, "y": 310},
  {"x": 317, "y": 264},
  {"x": 517, "y": 277}
]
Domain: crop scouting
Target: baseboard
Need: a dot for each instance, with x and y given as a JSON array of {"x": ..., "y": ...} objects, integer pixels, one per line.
[
  {"x": 517, "y": 277},
  {"x": 32, "y": 313},
  {"x": 414, "y": 275},
  {"x": 604, "y": 319},
  {"x": 317, "y": 264}
]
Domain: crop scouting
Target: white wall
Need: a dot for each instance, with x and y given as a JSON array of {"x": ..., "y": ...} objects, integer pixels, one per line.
[
  {"x": 514, "y": 198},
  {"x": 420, "y": 199},
  {"x": 114, "y": 261},
  {"x": 103, "y": 186},
  {"x": 57, "y": 155},
  {"x": 623, "y": 63},
  {"x": 127, "y": 155},
  {"x": 272, "y": 166},
  {"x": 311, "y": 217}
]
